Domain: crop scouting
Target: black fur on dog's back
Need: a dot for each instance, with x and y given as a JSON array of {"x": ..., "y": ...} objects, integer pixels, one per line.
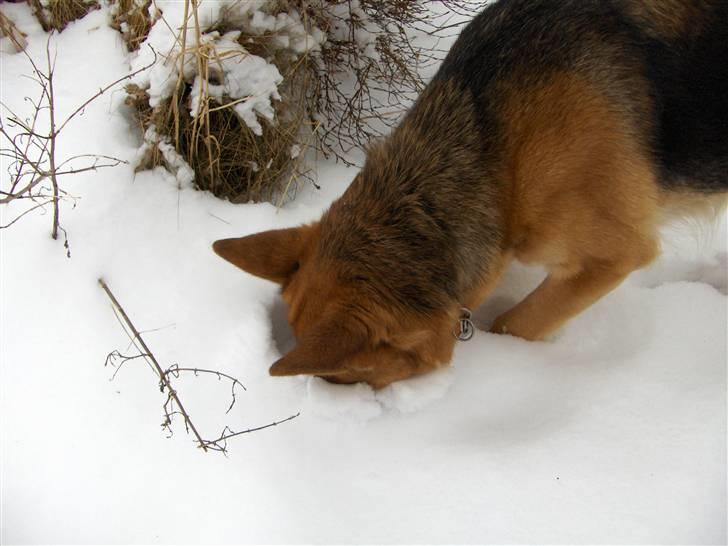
[
  {"x": 620, "y": 49},
  {"x": 690, "y": 78}
]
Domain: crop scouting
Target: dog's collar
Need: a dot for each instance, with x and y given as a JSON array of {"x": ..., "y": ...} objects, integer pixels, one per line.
[{"x": 465, "y": 329}]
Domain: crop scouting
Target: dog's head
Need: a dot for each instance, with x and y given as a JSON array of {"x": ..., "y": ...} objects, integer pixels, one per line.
[{"x": 346, "y": 330}]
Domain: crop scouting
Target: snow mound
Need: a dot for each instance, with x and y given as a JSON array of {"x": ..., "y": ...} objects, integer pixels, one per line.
[
  {"x": 416, "y": 393},
  {"x": 361, "y": 403},
  {"x": 355, "y": 403}
]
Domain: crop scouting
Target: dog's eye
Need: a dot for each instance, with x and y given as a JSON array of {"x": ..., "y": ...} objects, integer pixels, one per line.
[{"x": 360, "y": 278}]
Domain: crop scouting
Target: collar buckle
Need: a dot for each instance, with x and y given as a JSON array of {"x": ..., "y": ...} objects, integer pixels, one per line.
[{"x": 465, "y": 329}]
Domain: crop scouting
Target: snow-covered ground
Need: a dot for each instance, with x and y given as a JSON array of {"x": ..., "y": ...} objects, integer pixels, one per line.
[{"x": 614, "y": 432}]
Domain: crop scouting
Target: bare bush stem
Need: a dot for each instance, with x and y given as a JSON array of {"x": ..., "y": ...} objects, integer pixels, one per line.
[{"x": 52, "y": 137}]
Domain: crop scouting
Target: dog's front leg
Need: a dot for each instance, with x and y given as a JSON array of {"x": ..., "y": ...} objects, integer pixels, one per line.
[{"x": 558, "y": 299}]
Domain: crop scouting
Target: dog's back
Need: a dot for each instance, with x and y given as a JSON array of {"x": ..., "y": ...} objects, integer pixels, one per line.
[
  {"x": 689, "y": 75},
  {"x": 663, "y": 64}
]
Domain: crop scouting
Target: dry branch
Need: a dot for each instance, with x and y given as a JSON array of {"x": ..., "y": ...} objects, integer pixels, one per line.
[
  {"x": 173, "y": 404},
  {"x": 149, "y": 356}
]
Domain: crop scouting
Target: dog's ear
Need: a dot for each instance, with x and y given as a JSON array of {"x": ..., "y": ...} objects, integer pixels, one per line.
[
  {"x": 272, "y": 255},
  {"x": 323, "y": 350}
]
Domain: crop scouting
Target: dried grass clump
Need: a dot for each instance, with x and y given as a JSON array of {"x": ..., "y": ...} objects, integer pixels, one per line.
[
  {"x": 333, "y": 98},
  {"x": 133, "y": 18},
  {"x": 226, "y": 157},
  {"x": 56, "y": 14}
]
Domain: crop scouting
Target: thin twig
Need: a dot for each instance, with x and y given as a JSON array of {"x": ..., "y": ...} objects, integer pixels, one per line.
[
  {"x": 105, "y": 89},
  {"x": 175, "y": 370},
  {"x": 220, "y": 444},
  {"x": 116, "y": 360}
]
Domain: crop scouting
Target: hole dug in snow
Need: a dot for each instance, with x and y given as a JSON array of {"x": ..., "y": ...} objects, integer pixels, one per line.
[{"x": 283, "y": 338}]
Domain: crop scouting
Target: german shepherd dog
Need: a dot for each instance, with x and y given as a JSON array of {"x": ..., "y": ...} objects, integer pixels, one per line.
[{"x": 557, "y": 132}]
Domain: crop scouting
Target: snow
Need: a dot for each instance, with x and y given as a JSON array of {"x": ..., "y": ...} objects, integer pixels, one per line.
[
  {"x": 173, "y": 161},
  {"x": 612, "y": 432},
  {"x": 248, "y": 81},
  {"x": 360, "y": 403}
]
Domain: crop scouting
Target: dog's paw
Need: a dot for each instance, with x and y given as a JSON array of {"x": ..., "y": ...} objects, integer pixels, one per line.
[{"x": 500, "y": 326}]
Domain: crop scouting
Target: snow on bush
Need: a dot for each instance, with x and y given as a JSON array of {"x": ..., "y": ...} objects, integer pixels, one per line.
[
  {"x": 249, "y": 80},
  {"x": 215, "y": 92},
  {"x": 243, "y": 89}
]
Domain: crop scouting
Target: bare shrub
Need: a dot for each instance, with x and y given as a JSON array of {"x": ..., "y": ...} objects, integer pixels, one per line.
[
  {"x": 361, "y": 92},
  {"x": 29, "y": 144}
]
